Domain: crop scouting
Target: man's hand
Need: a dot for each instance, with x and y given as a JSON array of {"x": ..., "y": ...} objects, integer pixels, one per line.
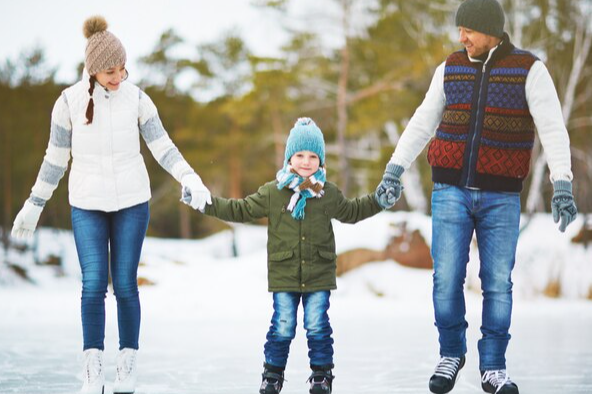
[
  {"x": 390, "y": 188},
  {"x": 563, "y": 205}
]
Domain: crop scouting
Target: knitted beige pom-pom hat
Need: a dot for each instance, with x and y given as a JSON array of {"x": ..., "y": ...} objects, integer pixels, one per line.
[{"x": 103, "y": 50}]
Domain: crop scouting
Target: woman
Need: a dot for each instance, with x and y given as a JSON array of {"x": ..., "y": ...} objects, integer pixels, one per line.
[{"x": 99, "y": 120}]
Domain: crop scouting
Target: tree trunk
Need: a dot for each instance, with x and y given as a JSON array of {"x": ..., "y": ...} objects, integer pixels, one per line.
[
  {"x": 184, "y": 221},
  {"x": 414, "y": 194},
  {"x": 534, "y": 202},
  {"x": 411, "y": 180},
  {"x": 7, "y": 189},
  {"x": 278, "y": 137},
  {"x": 517, "y": 25},
  {"x": 236, "y": 173},
  {"x": 342, "y": 119},
  {"x": 583, "y": 43}
]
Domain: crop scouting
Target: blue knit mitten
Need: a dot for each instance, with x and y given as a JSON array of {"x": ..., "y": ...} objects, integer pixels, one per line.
[
  {"x": 563, "y": 205},
  {"x": 390, "y": 188}
]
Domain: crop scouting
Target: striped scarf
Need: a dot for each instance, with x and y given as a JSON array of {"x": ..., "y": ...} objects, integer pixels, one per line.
[{"x": 303, "y": 188}]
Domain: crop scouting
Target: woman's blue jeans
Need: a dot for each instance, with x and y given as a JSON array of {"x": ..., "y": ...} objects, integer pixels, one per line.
[
  {"x": 495, "y": 218},
  {"x": 110, "y": 240},
  {"x": 316, "y": 324}
]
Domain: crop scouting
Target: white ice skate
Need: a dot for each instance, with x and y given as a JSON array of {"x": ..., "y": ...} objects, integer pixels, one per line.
[
  {"x": 92, "y": 374},
  {"x": 126, "y": 373}
]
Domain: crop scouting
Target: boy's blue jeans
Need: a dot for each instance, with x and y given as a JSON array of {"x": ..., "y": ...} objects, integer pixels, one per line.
[
  {"x": 316, "y": 324},
  {"x": 495, "y": 218},
  {"x": 113, "y": 239}
]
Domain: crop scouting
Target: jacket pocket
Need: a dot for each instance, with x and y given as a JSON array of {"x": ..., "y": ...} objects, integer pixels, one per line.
[
  {"x": 327, "y": 255},
  {"x": 281, "y": 256},
  {"x": 276, "y": 217}
]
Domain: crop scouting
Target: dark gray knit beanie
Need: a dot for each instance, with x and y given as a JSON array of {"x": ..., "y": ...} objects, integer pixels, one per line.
[{"x": 485, "y": 16}]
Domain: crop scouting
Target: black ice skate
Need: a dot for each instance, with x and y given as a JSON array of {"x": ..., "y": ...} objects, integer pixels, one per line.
[
  {"x": 446, "y": 374},
  {"x": 498, "y": 382},
  {"x": 272, "y": 379},
  {"x": 321, "y": 380}
]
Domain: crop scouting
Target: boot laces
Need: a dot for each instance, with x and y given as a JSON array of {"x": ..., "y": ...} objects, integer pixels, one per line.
[
  {"x": 93, "y": 366},
  {"x": 447, "y": 367},
  {"x": 126, "y": 361},
  {"x": 497, "y": 378}
]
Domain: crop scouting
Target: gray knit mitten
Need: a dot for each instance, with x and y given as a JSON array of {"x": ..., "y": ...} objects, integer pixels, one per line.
[
  {"x": 563, "y": 205},
  {"x": 390, "y": 188}
]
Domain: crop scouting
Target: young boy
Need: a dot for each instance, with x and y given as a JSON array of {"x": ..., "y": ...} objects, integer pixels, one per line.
[{"x": 301, "y": 251}]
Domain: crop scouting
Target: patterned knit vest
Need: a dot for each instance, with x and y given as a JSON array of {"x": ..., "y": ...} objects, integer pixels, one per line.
[{"x": 486, "y": 135}]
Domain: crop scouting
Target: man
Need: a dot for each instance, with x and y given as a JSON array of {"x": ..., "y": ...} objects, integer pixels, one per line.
[{"x": 483, "y": 104}]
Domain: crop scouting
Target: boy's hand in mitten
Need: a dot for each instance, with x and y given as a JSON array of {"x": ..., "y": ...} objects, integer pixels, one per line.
[
  {"x": 194, "y": 193},
  {"x": 390, "y": 188}
]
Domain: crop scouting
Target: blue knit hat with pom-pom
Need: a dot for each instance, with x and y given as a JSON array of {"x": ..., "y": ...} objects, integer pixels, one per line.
[{"x": 305, "y": 135}]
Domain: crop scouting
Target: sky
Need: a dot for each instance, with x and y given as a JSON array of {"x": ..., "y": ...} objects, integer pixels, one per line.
[{"x": 56, "y": 26}]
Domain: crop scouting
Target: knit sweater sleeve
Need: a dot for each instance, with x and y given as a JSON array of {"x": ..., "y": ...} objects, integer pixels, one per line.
[
  {"x": 422, "y": 126},
  {"x": 160, "y": 144},
  {"x": 545, "y": 109},
  {"x": 57, "y": 154}
]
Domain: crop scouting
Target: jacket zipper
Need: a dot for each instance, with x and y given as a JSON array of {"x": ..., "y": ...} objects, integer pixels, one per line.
[{"x": 473, "y": 146}]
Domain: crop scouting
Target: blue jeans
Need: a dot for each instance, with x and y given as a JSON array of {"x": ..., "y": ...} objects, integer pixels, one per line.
[
  {"x": 316, "y": 324},
  {"x": 113, "y": 239},
  {"x": 495, "y": 218}
]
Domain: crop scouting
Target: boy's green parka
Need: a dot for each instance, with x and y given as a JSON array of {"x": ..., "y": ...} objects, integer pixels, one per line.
[{"x": 300, "y": 253}]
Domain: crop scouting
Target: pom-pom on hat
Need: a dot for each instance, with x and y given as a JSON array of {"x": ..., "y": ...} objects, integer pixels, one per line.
[
  {"x": 103, "y": 49},
  {"x": 305, "y": 135}
]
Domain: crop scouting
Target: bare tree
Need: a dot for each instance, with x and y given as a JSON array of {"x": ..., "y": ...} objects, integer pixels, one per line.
[
  {"x": 581, "y": 51},
  {"x": 342, "y": 117},
  {"x": 411, "y": 179}
]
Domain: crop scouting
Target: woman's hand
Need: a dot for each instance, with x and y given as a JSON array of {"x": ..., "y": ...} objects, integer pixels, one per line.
[
  {"x": 26, "y": 220},
  {"x": 194, "y": 193}
]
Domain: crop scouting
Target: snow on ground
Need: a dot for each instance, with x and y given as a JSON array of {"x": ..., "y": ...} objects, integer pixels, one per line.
[{"x": 205, "y": 319}]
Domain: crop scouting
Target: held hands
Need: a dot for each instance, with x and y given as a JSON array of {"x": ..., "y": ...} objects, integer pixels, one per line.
[
  {"x": 563, "y": 205},
  {"x": 26, "y": 220},
  {"x": 194, "y": 193},
  {"x": 390, "y": 188}
]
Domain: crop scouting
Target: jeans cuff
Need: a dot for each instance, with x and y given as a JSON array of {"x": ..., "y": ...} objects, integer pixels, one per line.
[
  {"x": 491, "y": 367},
  {"x": 453, "y": 354},
  {"x": 274, "y": 368},
  {"x": 324, "y": 367}
]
